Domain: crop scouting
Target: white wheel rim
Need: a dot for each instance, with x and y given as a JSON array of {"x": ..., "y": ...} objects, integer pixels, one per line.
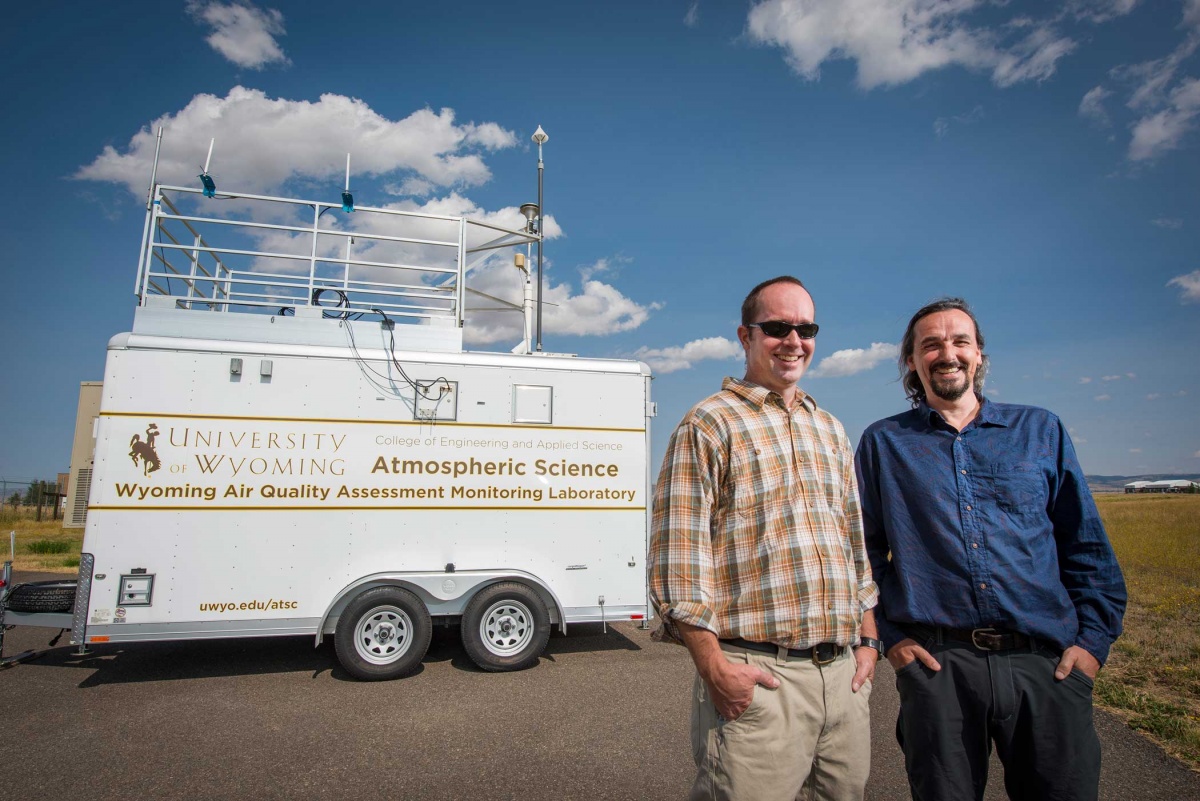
[
  {"x": 506, "y": 627},
  {"x": 383, "y": 635}
]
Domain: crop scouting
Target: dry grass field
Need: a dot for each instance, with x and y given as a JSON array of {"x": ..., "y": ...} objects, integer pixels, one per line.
[
  {"x": 1153, "y": 675},
  {"x": 1152, "y": 679},
  {"x": 43, "y": 546}
]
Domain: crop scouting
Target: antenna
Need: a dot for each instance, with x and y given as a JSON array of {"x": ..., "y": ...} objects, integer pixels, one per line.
[
  {"x": 154, "y": 169},
  {"x": 210, "y": 186},
  {"x": 540, "y": 138},
  {"x": 347, "y": 198}
]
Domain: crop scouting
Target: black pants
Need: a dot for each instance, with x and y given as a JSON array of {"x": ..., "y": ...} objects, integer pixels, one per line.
[{"x": 1042, "y": 727}]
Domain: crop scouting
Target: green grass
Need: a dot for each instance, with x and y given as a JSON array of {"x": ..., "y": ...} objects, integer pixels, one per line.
[
  {"x": 1152, "y": 678},
  {"x": 43, "y": 546},
  {"x": 49, "y": 546}
]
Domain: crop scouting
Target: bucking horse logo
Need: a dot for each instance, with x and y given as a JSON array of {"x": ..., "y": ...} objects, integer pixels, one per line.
[{"x": 145, "y": 450}]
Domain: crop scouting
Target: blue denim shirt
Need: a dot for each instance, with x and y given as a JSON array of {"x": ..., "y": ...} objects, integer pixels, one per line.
[{"x": 990, "y": 526}]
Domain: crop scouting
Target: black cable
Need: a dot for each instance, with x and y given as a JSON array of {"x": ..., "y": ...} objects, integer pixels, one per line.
[
  {"x": 343, "y": 302},
  {"x": 364, "y": 362},
  {"x": 418, "y": 386}
]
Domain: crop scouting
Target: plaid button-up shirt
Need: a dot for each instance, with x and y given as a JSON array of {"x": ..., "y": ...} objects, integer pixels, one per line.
[{"x": 756, "y": 530}]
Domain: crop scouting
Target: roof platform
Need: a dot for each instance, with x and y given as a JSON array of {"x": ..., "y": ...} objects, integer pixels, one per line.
[{"x": 258, "y": 268}]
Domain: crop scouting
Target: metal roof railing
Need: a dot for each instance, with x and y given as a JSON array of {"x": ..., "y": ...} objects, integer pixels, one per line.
[{"x": 260, "y": 254}]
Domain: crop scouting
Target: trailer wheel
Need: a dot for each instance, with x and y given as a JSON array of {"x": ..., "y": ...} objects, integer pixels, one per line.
[
  {"x": 42, "y": 596},
  {"x": 383, "y": 634},
  {"x": 505, "y": 627}
]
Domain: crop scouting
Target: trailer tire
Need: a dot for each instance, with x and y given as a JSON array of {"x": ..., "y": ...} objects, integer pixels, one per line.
[
  {"x": 383, "y": 634},
  {"x": 42, "y": 596},
  {"x": 505, "y": 627}
]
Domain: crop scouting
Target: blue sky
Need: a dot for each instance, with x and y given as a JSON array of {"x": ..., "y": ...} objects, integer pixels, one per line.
[{"x": 1039, "y": 159}]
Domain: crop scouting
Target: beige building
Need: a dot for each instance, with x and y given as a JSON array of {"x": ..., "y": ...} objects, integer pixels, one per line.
[{"x": 82, "y": 452}]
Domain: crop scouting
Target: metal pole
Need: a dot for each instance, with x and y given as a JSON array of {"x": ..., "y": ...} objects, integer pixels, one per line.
[
  {"x": 143, "y": 257},
  {"x": 541, "y": 236}
]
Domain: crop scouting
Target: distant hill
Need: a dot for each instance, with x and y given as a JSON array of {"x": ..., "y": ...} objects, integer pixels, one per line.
[{"x": 1117, "y": 483}]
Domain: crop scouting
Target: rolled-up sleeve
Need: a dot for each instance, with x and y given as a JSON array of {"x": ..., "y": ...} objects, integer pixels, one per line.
[
  {"x": 866, "y": 590},
  {"x": 680, "y": 562}
]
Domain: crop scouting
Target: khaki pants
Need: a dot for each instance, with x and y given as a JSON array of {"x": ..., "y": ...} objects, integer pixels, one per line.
[{"x": 808, "y": 739}]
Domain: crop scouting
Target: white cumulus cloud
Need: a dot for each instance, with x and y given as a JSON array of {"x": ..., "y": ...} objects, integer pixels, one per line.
[
  {"x": 241, "y": 32},
  {"x": 595, "y": 308},
  {"x": 896, "y": 41},
  {"x": 265, "y": 143},
  {"x": 683, "y": 357},
  {"x": 262, "y": 142},
  {"x": 1085, "y": 380},
  {"x": 1172, "y": 223},
  {"x": 854, "y": 360},
  {"x": 1103, "y": 397},
  {"x": 1189, "y": 286},
  {"x": 1110, "y": 378}
]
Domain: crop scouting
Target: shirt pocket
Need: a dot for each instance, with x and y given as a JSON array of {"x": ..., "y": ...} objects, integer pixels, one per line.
[
  {"x": 1018, "y": 488},
  {"x": 760, "y": 479}
]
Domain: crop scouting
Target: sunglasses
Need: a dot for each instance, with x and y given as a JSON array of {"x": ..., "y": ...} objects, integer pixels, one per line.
[{"x": 778, "y": 329}]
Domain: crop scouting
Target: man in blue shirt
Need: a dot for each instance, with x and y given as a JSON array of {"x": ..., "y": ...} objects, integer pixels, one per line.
[{"x": 1000, "y": 595}]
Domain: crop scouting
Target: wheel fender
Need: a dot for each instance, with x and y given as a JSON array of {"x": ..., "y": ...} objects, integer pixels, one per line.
[{"x": 442, "y": 593}]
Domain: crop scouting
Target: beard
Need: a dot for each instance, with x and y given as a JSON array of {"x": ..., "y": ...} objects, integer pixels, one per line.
[{"x": 950, "y": 387}]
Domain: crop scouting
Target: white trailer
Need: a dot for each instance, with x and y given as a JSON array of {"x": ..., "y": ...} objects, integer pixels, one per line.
[{"x": 293, "y": 441}]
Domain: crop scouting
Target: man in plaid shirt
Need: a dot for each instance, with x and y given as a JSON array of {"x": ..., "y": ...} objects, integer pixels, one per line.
[{"x": 757, "y": 565}]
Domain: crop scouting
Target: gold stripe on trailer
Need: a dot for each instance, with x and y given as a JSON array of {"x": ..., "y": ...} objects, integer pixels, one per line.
[
  {"x": 434, "y": 424},
  {"x": 366, "y": 508}
]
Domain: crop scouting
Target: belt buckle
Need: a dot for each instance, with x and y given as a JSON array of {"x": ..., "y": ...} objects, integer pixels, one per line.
[
  {"x": 824, "y": 653},
  {"x": 986, "y": 639}
]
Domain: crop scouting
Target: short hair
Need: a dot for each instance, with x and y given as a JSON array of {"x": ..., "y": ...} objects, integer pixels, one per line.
[
  {"x": 913, "y": 389},
  {"x": 750, "y": 304}
]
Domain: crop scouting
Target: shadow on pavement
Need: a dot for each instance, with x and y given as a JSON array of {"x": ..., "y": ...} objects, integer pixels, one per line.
[{"x": 199, "y": 659}]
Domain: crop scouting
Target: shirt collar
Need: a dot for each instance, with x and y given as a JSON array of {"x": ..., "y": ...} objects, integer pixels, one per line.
[
  {"x": 759, "y": 396},
  {"x": 989, "y": 415}
]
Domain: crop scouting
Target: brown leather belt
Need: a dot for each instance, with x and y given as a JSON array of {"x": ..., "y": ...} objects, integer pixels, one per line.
[{"x": 820, "y": 654}]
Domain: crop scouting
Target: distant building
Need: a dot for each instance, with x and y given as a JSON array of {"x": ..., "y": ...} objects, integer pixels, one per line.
[
  {"x": 1169, "y": 485},
  {"x": 82, "y": 451}
]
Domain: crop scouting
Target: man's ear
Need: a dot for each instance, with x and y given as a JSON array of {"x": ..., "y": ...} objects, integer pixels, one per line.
[{"x": 743, "y": 333}]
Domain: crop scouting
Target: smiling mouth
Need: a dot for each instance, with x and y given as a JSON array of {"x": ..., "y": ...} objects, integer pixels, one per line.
[
  {"x": 787, "y": 358},
  {"x": 947, "y": 369}
]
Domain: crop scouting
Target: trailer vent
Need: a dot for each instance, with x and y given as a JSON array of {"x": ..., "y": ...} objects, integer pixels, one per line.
[{"x": 83, "y": 484}]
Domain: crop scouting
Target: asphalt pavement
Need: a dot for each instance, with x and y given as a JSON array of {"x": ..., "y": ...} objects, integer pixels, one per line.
[{"x": 604, "y": 715}]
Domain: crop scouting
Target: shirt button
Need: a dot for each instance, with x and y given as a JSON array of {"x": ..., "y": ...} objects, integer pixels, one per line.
[
  {"x": 974, "y": 544},
  {"x": 964, "y": 472},
  {"x": 968, "y": 507},
  {"x": 983, "y": 586}
]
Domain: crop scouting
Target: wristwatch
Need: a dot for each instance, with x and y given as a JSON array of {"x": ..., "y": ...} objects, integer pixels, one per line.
[{"x": 871, "y": 642}]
